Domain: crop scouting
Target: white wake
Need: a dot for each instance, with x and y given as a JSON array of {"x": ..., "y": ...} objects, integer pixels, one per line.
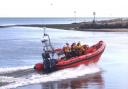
[
  {"x": 34, "y": 78},
  {"x": 13, "y": 69}
]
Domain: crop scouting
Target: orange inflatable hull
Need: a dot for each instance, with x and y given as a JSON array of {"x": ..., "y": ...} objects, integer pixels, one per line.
[{"x": 92, "y": 55}]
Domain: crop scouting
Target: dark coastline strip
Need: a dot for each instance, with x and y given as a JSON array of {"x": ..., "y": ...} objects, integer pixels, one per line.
[
  {"x": 75, "y": 27},
  {"x": 79, "y": 27}
]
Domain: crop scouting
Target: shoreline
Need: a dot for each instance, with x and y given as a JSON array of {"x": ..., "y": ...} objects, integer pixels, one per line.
[
  {"x": 72, "y": 27},
  {"x": 113, "y": 25}
]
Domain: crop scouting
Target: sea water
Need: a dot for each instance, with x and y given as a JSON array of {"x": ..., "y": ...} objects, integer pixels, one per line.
[{"x": 21, "y": 48}]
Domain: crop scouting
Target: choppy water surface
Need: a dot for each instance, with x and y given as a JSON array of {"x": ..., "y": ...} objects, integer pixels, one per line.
[{"x": 20, "y": 49}]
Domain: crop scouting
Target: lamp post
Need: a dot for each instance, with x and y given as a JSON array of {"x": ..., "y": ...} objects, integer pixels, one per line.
[
  {"x": 75, "y": 15},
  {"x": 94, "y": 14}
]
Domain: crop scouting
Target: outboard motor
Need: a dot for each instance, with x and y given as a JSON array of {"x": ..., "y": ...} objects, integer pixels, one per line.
[
  {"x": 46, "y": 60},
  {"x": 49, "y": 64}
]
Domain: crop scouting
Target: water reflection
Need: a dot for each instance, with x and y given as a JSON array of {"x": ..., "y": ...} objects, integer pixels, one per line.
[{"x": 92, "y": 81}]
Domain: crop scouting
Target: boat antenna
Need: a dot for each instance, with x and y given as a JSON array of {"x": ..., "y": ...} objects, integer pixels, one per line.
[
  {"x": 47, "y": 42},
  {"x": 48, "y": 53},
  {"x": 94, "y": 17}
]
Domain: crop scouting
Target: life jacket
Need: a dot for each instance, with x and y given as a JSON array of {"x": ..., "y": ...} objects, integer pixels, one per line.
[
  {"x": 78, "y": 47},
  {"x": 73, "y": 47},
  {"x": 66, "y": 49},
  {"x": 82, "y": 50}
]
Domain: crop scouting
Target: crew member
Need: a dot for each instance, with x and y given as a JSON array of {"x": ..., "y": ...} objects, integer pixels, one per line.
[
  {"x": 67, "y": 51},
  {"x": 79, "y": 49},
  {"x": 74, "y": 49}
]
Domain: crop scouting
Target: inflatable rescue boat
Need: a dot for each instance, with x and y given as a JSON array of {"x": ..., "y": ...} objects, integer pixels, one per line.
[{"x": 93, "y": 54}]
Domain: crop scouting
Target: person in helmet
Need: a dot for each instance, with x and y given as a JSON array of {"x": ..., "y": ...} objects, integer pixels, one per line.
[
  {"x": 74, "y": 50},
  {"x": 67, "y": 50}
]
